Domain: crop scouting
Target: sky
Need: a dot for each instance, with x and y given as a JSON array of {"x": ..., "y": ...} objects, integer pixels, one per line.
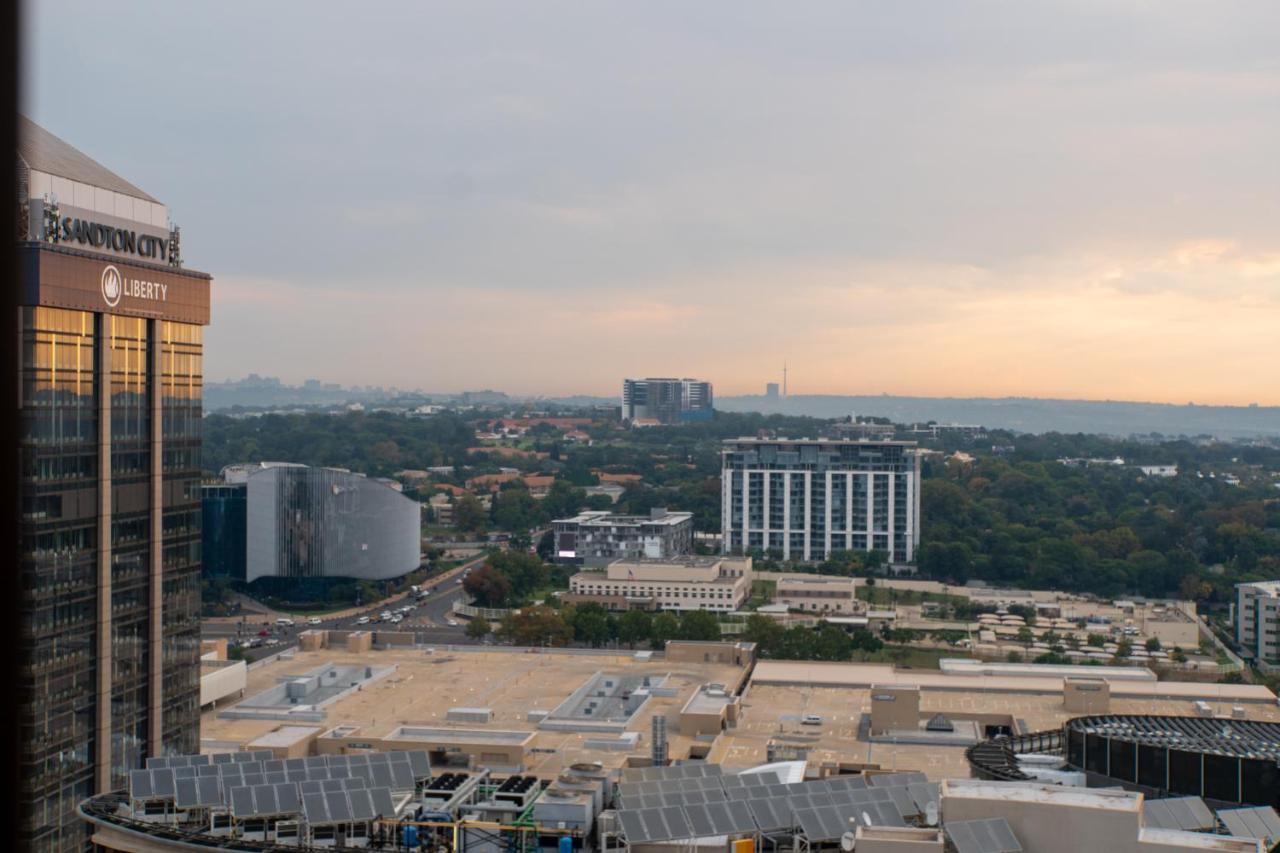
[{"x": 1075, "y": 200}]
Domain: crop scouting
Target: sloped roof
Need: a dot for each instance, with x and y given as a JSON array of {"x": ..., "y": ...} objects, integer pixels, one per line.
[{"x": 44, "y": 152}]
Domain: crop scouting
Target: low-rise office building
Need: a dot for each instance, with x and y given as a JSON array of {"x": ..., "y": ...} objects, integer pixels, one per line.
[
  {"x": 1258, "y": 621},
  {"x": 819, "y": 595},
  {"x": 597, "y": 537},
  {"x": 718, "y": 584}
]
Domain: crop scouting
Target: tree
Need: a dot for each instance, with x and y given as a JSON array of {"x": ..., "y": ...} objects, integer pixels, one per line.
[
  {"x": 665, "y": 627},
  {"x": 634, "y": 626},
  {"x": 1153, "y": 644},
  {"x": 864, "y": 640},
  {"x": 487, "y": 586},
  {"x": 536, "y": 626},
  {"x": 765, "y": 633},
  {"x": 478, "y": 628},
  {"x": 469, "y": 515},
  {"x": 590, "y": 623},
  {"x": 832, "y": 643},
  {"x": 1025, "y": 636},
  {"x": 699, "y": 625},
  {"x": 1096, "y": 641},
  {"x": 547, "y": 546}
]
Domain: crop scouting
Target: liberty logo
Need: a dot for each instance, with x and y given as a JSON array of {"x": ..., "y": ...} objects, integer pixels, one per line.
[{"x": 111, "y": 287}]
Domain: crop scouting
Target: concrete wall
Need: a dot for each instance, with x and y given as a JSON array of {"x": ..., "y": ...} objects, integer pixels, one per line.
[
  {"x": 1086, "y": 695},
  {"x": 222, "y": 682},
  {"x": 689, "y": 651}
]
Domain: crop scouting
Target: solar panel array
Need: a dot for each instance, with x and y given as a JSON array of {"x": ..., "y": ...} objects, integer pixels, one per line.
[
  {"x": 991, "y": 835},
  {"x": 1253, "y": 822},
  {"x": 325, "y": 789},
  {"x": 669, "y": 772},
  {"x": 1189, "y": 813},
  {"x": 653, "y": 810}
]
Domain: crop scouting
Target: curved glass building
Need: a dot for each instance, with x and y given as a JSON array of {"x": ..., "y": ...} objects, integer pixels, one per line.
[{"x": 303, "y": 523}]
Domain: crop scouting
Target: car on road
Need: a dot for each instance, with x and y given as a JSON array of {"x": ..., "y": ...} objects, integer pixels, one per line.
[
  {"x": 273, "y": 642},
  {"x": 452, "y": 623},
  {"x": 363, "y": 620},
  {"x": 386, "y": 614},
  {"x": 458, "y": 581},
  {"x": 314, "y": 621},
  {"x": 284, "y": 622}
]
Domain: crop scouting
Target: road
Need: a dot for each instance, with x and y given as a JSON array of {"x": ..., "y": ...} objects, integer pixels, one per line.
[{"x": 429, "y": 618}]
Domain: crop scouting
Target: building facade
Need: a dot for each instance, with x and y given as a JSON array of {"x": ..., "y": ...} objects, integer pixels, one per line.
[
  {"x": 305, "y": 523},
  {"x": 719, "y": 584},
  {"x": 666, "y": 401},
  {"x": 819, "y": 595},
  {"x": 597, "y": 537},
  {"x": 1258, "y": 622},
  {"x": 109, "y": 417},
  {"x": 224, "y": 509},
  {"x": 807, "y": 498}
]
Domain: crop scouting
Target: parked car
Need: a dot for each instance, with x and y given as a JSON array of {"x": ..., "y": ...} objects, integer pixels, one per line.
[
  {"x": 452, "y": 623},
  {"x": 285, "y": 622},
  {"x": 811, "y": 720},
  {"x": 314, "y": 621}
]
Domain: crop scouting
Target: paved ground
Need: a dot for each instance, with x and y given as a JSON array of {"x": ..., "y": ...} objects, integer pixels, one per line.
[{"x": 429, "y": 618}]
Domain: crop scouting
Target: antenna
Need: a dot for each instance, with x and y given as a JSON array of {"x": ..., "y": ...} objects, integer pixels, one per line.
[{"x": 784, "y": 379}]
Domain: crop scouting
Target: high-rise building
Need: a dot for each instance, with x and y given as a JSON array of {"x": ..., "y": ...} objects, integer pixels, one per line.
[
  {"x": 806, "y": 498},
  {"x": 109, "y": 442},
  {"x": 1258, "y": 622},
  {"x": 771, "y": 390},
  {"x": 666, "y": 401}
]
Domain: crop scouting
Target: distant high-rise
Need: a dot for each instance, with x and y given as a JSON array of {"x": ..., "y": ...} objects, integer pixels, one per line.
[
  {"x": 109, "y": 441},
  {"x": 805, "y": 498},
  {"x": 666, "y": 401},
  {"x": 771, "y": 390}
]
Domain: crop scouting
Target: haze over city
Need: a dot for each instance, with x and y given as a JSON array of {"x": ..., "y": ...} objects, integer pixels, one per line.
[{"x": 1058, "y": 200}]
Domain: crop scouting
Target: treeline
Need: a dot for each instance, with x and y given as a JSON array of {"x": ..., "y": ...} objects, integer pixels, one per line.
[
  {"x": 377, "y": 444},
  {"x": 1101, "y": 529},
  {"x": 590, "y": 624}
]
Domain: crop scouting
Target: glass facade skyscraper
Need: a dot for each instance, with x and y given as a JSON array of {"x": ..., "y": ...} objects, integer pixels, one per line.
[{"x": 109, "y": 442}]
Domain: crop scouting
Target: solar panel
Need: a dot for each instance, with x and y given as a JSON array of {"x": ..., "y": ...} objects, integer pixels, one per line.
[
  {"x": 770, "y": 815},
  {"x": 1260, "y": 822},
  {"x": 700, "y": 819},
  {"x": 275, "y": 777},
  {"x": 242, "y": 801},
  {"x": 185, "y": 771},
  {"x": 264, "y": 800},
  {"x": 287, "y": 798},
  {"x": 923, "y": 794},
  {"x": 382, "y": 803},
  {"x": 140, "y": 784},
  {"x": 902, "y": 801},
  {"x": 294, "y": 763},
  {"x": 157, "y": 761},
  {"x": 208, "y": 791},
  {"x": 810, "y": 822},
  {"x": 888, "y": 780},
  {"x": 262, "y": 755},
  {"x": 222, "y": 757},
  {"x": 339, "y": 806},
  {"x": 633, "y": 829},
  {"x": 316, "y": 761},
  {"x": 419, "y": 763},
  {"x": 361, "y": 805},
  {"x": 207, "y": 770},
  {"x": 185, "y": 795},
  {"x": 163, "y": 782},
  {"x": 401, "y": 776},
  {"x": 314, "y": 808},
  {"x": 275, "y": 765},
  {"x": 254, "y": 779},
  {"x": 991, "y": 835},
  {"x": 381, "y": 774},
  {"x": 338, "y": 761}
]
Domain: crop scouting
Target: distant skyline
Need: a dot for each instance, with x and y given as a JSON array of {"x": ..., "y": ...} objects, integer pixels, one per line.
[{"x": 981, "y": 199}]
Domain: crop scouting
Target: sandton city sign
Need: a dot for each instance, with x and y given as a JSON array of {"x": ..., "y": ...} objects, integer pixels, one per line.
[
  {"x": 101, "y": 236},
  {"x": 71, "y": 279}
]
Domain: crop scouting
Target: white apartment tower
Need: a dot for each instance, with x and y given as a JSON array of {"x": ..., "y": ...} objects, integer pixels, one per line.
[
  {"x": 1258, "y": 621},
  {"x": 806, "y": 498}
]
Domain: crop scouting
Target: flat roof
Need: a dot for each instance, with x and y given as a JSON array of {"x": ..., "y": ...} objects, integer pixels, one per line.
[
  {"x": 284, "y": 736},
  {"x": 852, "y": 442},
  {"x": 866, "y": 674},
  {"x": 508, "y": 681},
  {"x": 1035, "y": 792}
]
